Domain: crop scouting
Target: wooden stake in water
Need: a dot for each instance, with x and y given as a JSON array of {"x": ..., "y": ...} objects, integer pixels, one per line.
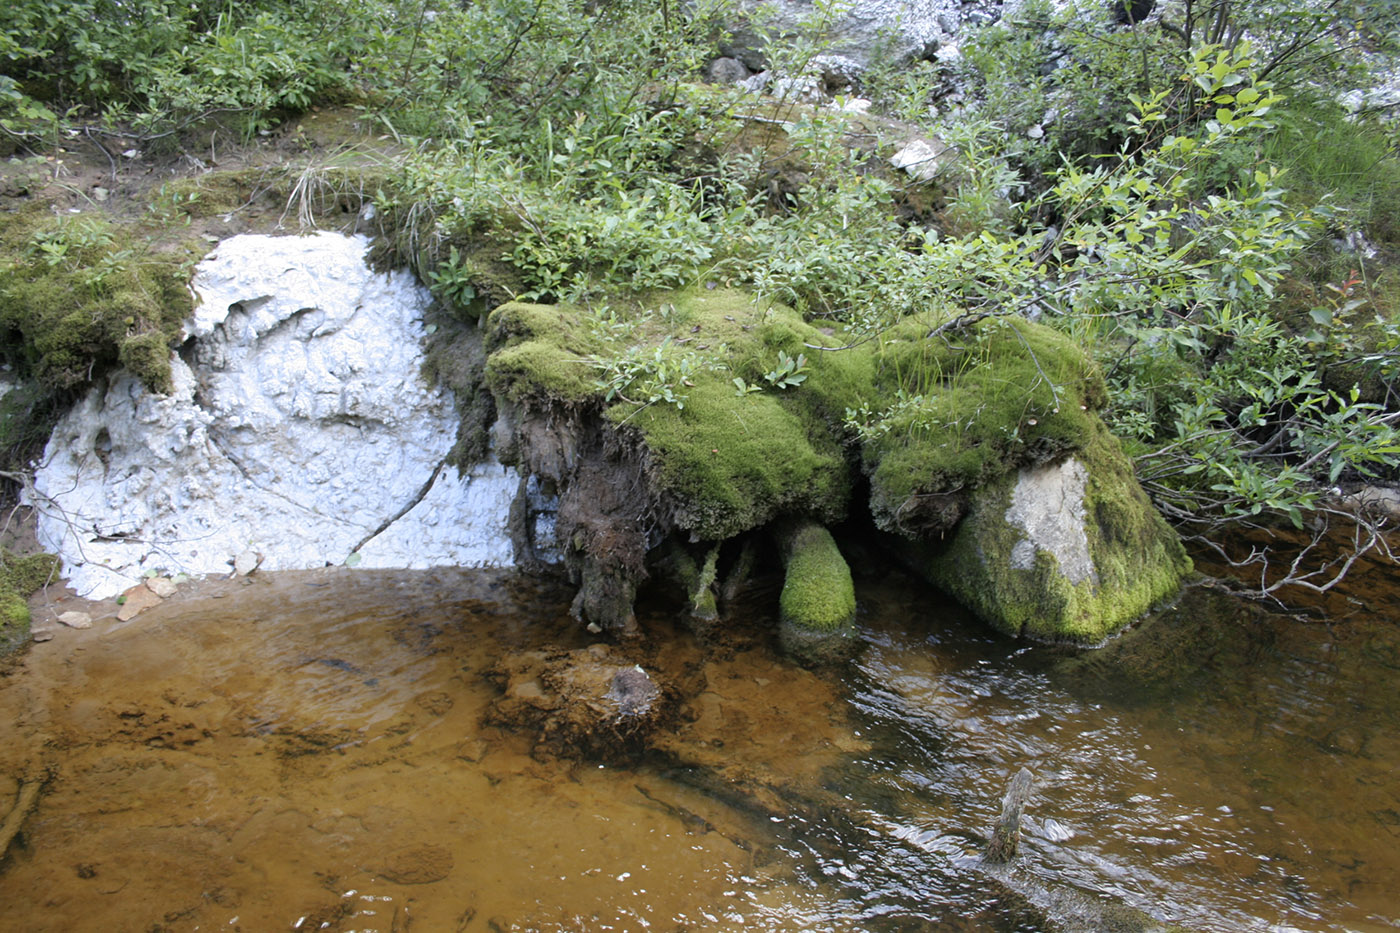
[{"x": 1006, "y": 838}]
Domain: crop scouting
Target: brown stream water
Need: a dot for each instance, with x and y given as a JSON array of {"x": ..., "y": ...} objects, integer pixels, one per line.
[{"x": 306, "y": 751}]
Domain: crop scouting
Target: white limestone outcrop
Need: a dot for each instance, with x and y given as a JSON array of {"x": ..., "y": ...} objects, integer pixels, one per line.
[{"x": 299, "y": 428}]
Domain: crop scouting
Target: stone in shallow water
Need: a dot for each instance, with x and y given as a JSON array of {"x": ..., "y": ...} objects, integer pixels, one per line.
[
  {"x": 1071, "y": 551},
  {"x": 586, "y": 703},
  {"x": 76, "y": 619},
  {"x": 162, "y": 587},
  {"x": 246, "y": 562},
  {"x": 417, "y": 865},
  {"x": 137, "y": 600}
]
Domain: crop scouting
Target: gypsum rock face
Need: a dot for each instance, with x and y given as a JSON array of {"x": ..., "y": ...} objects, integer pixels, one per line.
[{"x": 301, "y": 429}]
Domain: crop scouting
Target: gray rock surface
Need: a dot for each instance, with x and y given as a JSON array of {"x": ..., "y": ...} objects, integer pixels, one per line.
[
  {"x": 1047, "y": 504},
  {"x": 892, "y": 30}
]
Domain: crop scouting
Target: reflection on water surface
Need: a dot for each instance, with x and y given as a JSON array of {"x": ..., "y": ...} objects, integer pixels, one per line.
[{"x": 306, "y": 751}]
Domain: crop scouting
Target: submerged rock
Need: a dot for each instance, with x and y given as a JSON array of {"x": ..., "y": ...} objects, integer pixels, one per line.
[
  {"x": 137, "y": 600},
  {"x": 74, "y": 619},
  {"x": 298, "y": 427},
  {"x": 589, "y": 703},
  {"x": 423, "y": 864}
]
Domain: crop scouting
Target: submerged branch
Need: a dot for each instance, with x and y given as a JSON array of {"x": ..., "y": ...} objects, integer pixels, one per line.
[{"x": 25, "y": 803}]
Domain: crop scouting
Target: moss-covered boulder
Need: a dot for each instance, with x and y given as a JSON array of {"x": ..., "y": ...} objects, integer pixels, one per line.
[
  {"x": 817, "y": 608},
  {"x": 1066, "y": 551}
]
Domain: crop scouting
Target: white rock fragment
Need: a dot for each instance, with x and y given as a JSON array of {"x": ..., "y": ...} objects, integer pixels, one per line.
[
  {"x": 162, "y": 587},
  {"x": 246, "y": 562},
  {"x": 924, "y": 159},
  {"x": 76, "y": 619}
]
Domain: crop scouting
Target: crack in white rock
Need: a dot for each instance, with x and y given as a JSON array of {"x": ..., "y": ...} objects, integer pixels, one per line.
[{"x": 408, "y": 507}]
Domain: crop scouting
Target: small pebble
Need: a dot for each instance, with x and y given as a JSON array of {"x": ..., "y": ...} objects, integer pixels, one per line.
[
  {"x": 162, "y": 587},
  {"x": 246, "y": 563}
]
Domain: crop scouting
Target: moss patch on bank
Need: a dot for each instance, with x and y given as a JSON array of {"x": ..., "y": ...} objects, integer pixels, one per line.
[
  {"x": 19, "y": 577},
  {"x": 733, "y": 464},
  {"x": 78, "y": 297}
]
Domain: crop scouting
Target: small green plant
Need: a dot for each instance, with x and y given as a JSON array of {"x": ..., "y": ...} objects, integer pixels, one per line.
[
  {"x": 789, "y": 372},
  {"x": 647, "y": 376},
  {"x": 453, "y": 282},
  {"x": 173, "y": 205}
]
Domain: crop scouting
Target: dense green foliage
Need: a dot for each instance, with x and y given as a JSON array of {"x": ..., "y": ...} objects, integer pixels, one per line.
[{"x": 160, "y": 64}]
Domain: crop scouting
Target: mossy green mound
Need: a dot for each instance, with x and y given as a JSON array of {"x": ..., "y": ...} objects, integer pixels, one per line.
[
  {"x": 726, "y": 460},
  {"x": 748, "y": 415},
  {"x": 732, "y": 464},
  {"x": 817, "y": 607},
  {"x": 20, "y": 576},
  {"x": 540, "y": 353},
  {"x": 77, "y": 298},
  {"x": 965, "y": 408},
  {"x": 1020, "y": 586},
  {"x": 752, "y": 413}
]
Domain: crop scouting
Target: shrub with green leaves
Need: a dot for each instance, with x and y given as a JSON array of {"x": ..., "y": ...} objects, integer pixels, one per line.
[{"x": 159, "y": 63}]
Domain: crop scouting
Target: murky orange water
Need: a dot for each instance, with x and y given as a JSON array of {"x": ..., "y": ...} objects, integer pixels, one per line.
[{"x": 306, "y": 751}]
